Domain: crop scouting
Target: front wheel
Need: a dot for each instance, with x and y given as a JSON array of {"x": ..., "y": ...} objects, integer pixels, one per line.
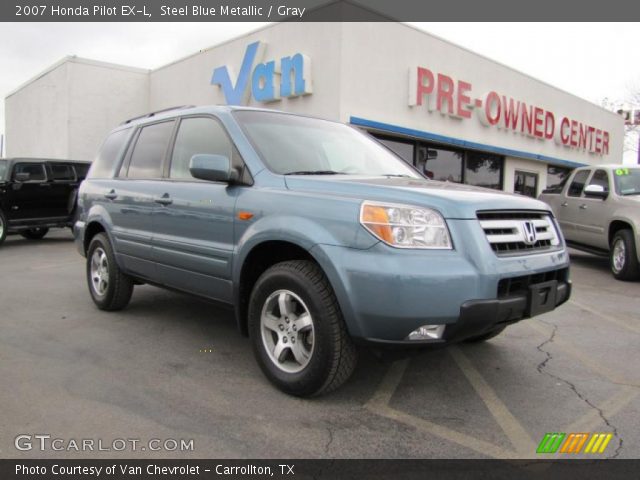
[
  {"x": 36, "y": 233},
  {"x": 110, "y": 289},
  {"x": 298, "y": 335},
  {"x": 624, "y": 258}
]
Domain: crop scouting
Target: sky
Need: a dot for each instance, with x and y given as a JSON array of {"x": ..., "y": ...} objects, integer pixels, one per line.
[{"x": 590, "y": 60}]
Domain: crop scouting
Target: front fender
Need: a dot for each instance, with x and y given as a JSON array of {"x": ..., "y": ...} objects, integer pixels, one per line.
[{"x": 303, "y": 232}]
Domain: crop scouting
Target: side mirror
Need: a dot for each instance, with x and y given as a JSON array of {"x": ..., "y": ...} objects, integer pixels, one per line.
[
  {"x": 215, "y": 168},
  {"x": 22, "y": 177},
  {"x": 596, "y": 191}
]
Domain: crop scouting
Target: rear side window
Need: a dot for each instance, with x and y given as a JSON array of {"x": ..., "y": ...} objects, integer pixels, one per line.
[
  {"x": 62, "y": 173},
  {"x": 577, "y": 185},
  {"x": 35, "y": 170},
  {"x": 149, "y": 151},
  {"x": 195, "y": 136},
  {"x": 110, "y": 153}
]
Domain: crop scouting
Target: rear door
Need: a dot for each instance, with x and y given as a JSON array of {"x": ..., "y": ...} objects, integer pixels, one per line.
[
  {"x": 193, "y": 228},
  {"x": 132, "y": 197},
  {"x": 63, "y": 183},
  {"x": 29, "y": 200}
]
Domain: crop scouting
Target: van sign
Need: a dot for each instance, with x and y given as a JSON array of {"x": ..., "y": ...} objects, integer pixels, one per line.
[{"x": 266, "y": 82}]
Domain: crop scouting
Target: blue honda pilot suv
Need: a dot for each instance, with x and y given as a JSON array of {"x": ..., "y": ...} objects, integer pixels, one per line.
[{"x": 319, "y": 236}]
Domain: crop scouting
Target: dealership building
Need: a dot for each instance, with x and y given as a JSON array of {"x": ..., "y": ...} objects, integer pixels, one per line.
[{"x": 452, "y": 113}]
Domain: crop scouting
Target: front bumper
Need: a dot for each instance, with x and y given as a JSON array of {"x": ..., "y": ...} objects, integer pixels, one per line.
[
  {"x": 478, "y": 317},
  {"x": 386, "y": 293}
]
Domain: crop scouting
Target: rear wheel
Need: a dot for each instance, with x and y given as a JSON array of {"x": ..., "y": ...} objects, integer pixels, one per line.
[
  {"x": 110, "y": 289},
  {"x": 486, "y": 336},
  {"x": 3, "y": 227},
  {"x": 298, "y": 335},
  {"x": 36, "y": 233},
  {"x": 624, "y": 258}
]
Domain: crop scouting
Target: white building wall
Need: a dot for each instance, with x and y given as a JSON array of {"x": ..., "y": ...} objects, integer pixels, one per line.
[
  {"x": 377, "y": 58},
  {"x": 102, "y": 96},
  {"x": 188, "y": 81},
  {"x": 36, "y": 116},
  {"x": 357, "y": 70},
  {"x": 531, "y": 166},
  {"x": 68, "y": 110}
]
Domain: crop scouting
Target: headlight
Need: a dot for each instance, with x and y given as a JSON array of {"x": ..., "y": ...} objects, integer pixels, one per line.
[{"x": 404, "y": 226}]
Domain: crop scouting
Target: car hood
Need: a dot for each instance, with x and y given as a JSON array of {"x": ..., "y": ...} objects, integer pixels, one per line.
[{"x": 452, "y": 200}]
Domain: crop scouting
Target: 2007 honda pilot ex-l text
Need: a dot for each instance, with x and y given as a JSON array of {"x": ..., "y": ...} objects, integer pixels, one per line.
[{"x": 319, "y": 236}]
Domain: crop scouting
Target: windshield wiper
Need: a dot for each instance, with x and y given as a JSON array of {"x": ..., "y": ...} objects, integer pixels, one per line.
[
  {"x": 314, "y": 172},
  {"x": 398, "y": 175}
]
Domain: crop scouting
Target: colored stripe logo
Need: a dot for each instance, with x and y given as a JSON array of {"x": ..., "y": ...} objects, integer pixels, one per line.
[{"x": 574, "y": 443}]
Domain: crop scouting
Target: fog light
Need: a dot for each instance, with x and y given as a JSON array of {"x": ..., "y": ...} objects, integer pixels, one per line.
[{"x": 427, "y": 332}]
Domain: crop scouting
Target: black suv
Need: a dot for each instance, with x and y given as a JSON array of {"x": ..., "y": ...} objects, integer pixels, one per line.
[{"x": 37, "y": 194}]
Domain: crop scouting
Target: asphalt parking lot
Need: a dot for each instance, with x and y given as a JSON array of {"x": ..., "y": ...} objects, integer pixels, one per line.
[{"x": 173, "y": 367}]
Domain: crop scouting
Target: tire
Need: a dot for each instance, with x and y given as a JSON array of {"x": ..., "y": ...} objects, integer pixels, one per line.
[
  {"x": 3, "y": 227},
  {"x": 623, "y": 259},
  {"x": 325, "y": 355},
  {"x": 486, "y": 336},
  {"x": 36, "y": 233},
  {"x": 110, "y": 289}
]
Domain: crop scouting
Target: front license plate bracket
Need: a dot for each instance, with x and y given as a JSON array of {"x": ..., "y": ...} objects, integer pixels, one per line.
[{"x": 542, "y": 297}]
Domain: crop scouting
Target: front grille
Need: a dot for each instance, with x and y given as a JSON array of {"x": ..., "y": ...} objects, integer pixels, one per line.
[
  {"x": 508, "y": 287},
  {"x": 519, "y": 232}
]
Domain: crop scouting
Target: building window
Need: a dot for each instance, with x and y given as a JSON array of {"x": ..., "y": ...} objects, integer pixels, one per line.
[
  {"x": 403, "y": 149},
  {"x": 439, "y": 163},
  {"x": 447, "y": 164},
  {"x": 526, "y": 183},
  {"x": 557, "y": 176},
  {"x": 483, "y": 170}
]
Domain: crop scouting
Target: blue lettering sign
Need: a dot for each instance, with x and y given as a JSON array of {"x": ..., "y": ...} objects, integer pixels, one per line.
[{"x": 269, "y": 81}]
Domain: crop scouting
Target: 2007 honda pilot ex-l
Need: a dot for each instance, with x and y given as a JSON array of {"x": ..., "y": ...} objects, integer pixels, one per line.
[{"x": 319, "y": 236}]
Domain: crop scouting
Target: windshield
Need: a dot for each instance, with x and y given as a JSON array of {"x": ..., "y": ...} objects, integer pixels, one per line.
[
  {"x": 627, "y": 181},
  {"x": 3, "y": 169},
  {"x": 289, "y": 144}
]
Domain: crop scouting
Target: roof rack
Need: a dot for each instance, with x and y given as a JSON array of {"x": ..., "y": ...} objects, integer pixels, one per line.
[{"x": 153, "y": 114}]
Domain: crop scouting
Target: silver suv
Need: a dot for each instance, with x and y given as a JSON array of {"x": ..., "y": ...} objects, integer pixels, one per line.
[{"x": 598, "y": 209}]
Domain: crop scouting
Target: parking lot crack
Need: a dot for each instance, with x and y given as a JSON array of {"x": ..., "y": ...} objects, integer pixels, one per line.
[
  {"x": 330, "y": 441},
  {"x": 542, "y": 370}
]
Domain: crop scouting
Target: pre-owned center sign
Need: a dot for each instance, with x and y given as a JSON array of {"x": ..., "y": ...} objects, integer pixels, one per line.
[{"x": 440, "y": 92}]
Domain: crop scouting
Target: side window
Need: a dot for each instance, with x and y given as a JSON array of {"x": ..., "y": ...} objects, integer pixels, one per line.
[
  {"x": 109, "y": 155},
  {"x": 600, "y": 178},
  {"x": 35, "y": 171},
  {"x": 577, "y": 185},
  {"x": 62, "y": 173},
  {"x": 149, "y": 151},
  {"x": 198, "y": 135}
]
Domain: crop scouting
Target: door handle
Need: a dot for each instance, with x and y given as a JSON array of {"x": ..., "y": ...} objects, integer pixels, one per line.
[
  {"x": 44, "y": 184},
  {"x": 112, "y": 195},
  {"x": 164, "y": 199},
  {"x": 564, "y": 204},
  {"x": 583, "y": 207}
]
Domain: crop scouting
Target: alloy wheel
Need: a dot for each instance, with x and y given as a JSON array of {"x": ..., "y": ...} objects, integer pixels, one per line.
[
  {"x": 99, "y": 272},
  {"x": 287, "y": 331}
]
